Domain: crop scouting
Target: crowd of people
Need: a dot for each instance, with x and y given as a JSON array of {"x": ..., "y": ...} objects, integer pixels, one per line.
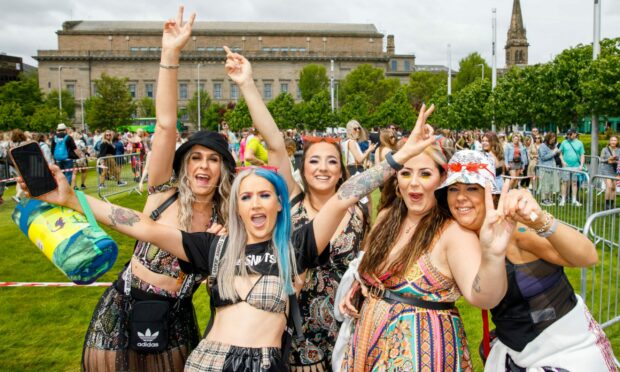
[{"x": 274, "y": 221}]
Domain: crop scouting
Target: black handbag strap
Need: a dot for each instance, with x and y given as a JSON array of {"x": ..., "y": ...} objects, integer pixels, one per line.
[{"x": 168, "y": 202}]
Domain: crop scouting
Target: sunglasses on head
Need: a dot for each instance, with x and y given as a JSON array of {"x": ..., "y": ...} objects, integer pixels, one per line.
[
  {"x": 314, "y": 139},
  {"x": 470, "y": 167}
]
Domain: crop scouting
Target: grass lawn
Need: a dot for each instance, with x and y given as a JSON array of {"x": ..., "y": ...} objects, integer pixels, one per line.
[{"x": 42, "y": 329}]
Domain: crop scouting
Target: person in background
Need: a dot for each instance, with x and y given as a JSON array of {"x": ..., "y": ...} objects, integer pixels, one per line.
[
  {"x": 4, "y": 165},
  {"x": 245, "y": 133},
  {"x": 532, "y": 151},
  {"x": 541, "y": 324},
  {"x": 387, "y": 144},
  {"x": 255, "y": 152},
  {"x": 354, "y": 157},
  {"x": 364, "y": 143},
  {"x": 106, "y": 161},
  {"x": 81, "y": 162},
  {"x": 572, "y": 154},
  {"x": 45, "y": 148},
  {"x": 549, "y": 180},
  {"x": 527, "y": 143},
  {"x": 609, "y": 167},
  {"x": 516, "y": 158},
  {"x": 18, "y": 138},
  {"x": 64, "y": 150},
  {"x": 493, "y": 149},
  {"x": 233, "y": 143}
]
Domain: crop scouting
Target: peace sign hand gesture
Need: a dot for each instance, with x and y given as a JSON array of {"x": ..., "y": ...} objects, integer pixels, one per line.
[
  {"x": 422, "y": 134},
  {"x": 176, "y": 33},
  {"x": 497, "y": 228},
  {"x": 237, "y": 67}
]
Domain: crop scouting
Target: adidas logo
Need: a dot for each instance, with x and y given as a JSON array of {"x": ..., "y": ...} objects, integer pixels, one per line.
[{"x": 147, "y": 336}]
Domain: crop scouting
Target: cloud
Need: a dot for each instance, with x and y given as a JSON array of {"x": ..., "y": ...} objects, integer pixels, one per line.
[{"x": 421, "y": 27}]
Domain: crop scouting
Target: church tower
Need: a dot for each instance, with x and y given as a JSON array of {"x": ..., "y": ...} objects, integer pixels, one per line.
[{"x": 516, "y": 44}]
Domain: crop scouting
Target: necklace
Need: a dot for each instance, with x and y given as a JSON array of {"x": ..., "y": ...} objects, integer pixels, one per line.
[{"x": 408, "y": 229}]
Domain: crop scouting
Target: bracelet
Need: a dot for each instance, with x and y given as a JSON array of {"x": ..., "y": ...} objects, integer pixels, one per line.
[
  {"x": 169, "y": 67},
  {"x": 548, "y": 227},
  {"x": 551, "y": 230},
  {"x": 393, "y": 164}
]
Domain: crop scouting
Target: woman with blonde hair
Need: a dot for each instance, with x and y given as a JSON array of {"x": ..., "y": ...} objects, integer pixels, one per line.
[
  {"x": 494, "y": 149},
  {"x": 189, "y": 191},
  {"x": 387, "y": 143},
  {"x": 353, "y": 155},
  {"x": 322, "y": 173}
]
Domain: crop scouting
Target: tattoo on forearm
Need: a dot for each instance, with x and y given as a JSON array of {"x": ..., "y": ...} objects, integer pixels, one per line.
[
  {"x": 121, "y": 216},
  {"x": 476, "y": 285},
  {"x": 363, "y": 183}
]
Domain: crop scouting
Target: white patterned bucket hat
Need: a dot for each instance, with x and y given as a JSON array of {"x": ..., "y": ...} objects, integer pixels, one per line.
[{"x": 468, "y": 167}]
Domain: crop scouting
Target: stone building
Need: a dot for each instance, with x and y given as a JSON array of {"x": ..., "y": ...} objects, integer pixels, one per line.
[
  {"x": 10, "y": 68},
  {"x": 278, "y": 52},
  {"x": 516, "y": 42}
]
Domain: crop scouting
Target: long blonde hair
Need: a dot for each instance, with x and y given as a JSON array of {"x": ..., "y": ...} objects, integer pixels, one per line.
[{"x": 187, "y": 198}]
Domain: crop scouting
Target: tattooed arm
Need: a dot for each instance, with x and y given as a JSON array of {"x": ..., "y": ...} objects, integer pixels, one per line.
[
  {"x": 360, "y": 185},
  {"x": 129, "y": 222}
]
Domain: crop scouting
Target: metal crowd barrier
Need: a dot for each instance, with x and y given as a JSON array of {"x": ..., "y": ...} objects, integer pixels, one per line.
[
  {"x": 548, "y": 194},
  {"x": 599, "y": 283},
  {"x": 119, "y": 174}
]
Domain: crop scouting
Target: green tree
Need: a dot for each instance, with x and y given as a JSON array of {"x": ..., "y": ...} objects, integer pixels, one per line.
[
  {"x": 369, "y": 81},
  {"x": 282, "y": 109},
  {"x": 470, "y": 71},
  {"x": 423, "y": 85},
  {"x": 469, "y": 104},
  {"x": 145, "y": 107},
  {"x": 112, "y": 106},
  {"x": 45, "y": 118},
  {"x": 312, "y": 80},
  {"x": 192, "y": 106},
  {"x": 396, "y": 109},
  {"x": 316, "y": 113},
  {"x": 11, "y": 116},
  {"x": 600, "y": 82},
  {"x": 25, "y": 92},
  {"x": 213, "y": 116},
  {"x": 239, "y": 117},
  {"x": 68, "y": 101},
  {"x": 358, "y": 107}
]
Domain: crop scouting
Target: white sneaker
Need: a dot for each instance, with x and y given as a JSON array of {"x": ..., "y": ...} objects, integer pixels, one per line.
[
  {"x": 576, "y": 203},
  {"x": 561, "y": 203}
]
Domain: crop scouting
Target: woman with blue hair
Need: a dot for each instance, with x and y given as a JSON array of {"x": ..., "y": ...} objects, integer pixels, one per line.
[{"x": 251, "y": 271}]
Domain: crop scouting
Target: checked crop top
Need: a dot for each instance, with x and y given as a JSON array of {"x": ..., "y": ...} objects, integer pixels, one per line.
[{"x": 268, "y": 291}]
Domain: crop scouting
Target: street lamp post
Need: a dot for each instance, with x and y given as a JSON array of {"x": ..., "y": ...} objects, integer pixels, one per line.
[
  {"x": 82, "y": 109},
  {"x": 59, "y": 90},
  {"x": 198, "y": 88},
  {"x": 482, "y": 68},
  {"x": 331, "y": 83}
]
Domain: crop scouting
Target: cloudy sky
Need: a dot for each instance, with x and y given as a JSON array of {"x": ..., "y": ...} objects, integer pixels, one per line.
[{"x": 422, "y": 27}]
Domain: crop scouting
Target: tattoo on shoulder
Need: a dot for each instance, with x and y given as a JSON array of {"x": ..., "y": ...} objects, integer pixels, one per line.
[
  {"x": 122, "y": 216},
  {"x": 476, "y": 285},
  {"x": 363, "y": 183}
]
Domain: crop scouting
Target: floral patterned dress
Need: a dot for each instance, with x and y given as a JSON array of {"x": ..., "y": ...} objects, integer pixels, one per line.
[
  {"x": 316, "y": 300},
  {"x": 401, "y": 337}
]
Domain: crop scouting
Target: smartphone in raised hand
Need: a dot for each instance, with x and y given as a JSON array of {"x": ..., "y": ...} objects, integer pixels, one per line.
[{"x": 33, "y": 169}]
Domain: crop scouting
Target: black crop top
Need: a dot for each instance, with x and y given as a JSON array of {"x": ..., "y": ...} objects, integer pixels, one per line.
[
  {"x": 539, "y": 293},
  {"x": 259, "y": 258}
]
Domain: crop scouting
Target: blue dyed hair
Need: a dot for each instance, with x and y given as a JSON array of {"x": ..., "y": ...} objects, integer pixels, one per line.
[{"x": 282, "y": 231}]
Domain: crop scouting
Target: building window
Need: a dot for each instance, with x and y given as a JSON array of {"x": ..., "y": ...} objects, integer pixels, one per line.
[
  {"x": 132, "y": 90},
  {"x": 283, "y": 87},
  {"x": 71, "y": 89},
  {"x": 234, "y": 91},
  {"x": 267, "y": 91},
  {"x": 201, "y": 87},
  {"x": 183, "y": 91},
  {"x": 148, "y": 87},
  {"x": 95, "y": 90},
  {"x": 217, "y": 90},
  {"x": 298, "y": 92},
  {"x": 394, "y": 65},
  {"x": 407, "y": 66}
]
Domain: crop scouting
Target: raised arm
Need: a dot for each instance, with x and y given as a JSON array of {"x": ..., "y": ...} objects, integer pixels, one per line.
[
  {"x": 239, "y": 70},
  {"x": 175, "y": 36},
  {"x": 129, "y": 222},
  {"x": 358, "y": 155},
  {"x": 327, "y": 220},
  {"x": 478, "y": 266}
]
